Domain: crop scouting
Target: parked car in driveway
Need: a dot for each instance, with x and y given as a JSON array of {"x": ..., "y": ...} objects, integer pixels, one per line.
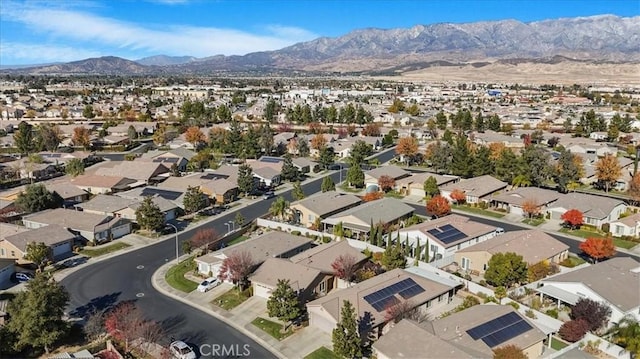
[
  {"x": 181, "y": 350},
  {"x": 268, "y": 195},
  {"x": 208, "y": 284},
  {"x": 19, "y": 277}
]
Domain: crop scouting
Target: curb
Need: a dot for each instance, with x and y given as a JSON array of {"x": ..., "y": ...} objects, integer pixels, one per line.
[{"x": 157, "y": 278}]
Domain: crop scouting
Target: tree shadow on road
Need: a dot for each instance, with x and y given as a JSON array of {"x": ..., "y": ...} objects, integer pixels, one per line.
[{"x": 95, "y": 305}]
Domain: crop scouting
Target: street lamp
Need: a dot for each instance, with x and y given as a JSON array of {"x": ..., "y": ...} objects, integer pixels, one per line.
[
  {"x": 228, "y": 224},
  {"x": 233, "y": 225},
  {"x": 177, "y": 253}
]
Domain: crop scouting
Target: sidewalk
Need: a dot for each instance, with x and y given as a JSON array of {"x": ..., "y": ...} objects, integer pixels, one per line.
[{"x": 298, "y": 345}]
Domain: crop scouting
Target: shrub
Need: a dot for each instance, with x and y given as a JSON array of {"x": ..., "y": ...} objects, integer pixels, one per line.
[
  {"x": 483, "y": 283},
  {"x": 326, "y": 239},
  {"x": 605, "y": 227},
  {"x": 515, "y": 305},
  {"x": 553, "y": 313},
  {"x": 296, "y": 233},
  {"x": 377, "y": 257},
  {"x": 573, "y": 330},
  {"x": 490, "y": 299},
  {"x": 530, "y": 313},
  {"x": 536, "y": 303}
]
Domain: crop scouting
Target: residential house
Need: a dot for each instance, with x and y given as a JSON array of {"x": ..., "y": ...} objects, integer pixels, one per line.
[
  {"x": 481, "y": 329},
  {"x": 414, "y": 184},
  {"x": 596, "y": 210},
  {"x": 141, "y": 171},
  {"x": 13, "y": 243},
  {"x": 358, "y": 220},
  {"x": 533, "y": 245},
  {"x": 31, "y": 170},
  {"x": 627, "y": 226},
  {"x": 371, "y": 177},
  {"x": 219, "y": 189},
  {"x": 322, "y": 258},
  {"x": 305, "y": 281},
  {"x": 93, "y": 227},
  {"x": 476, "y": 189},
  {"x": 372, "y": 297},
  {"x": 320, "y": 206},
  {"x": 513, "y": 201},
  {"x": 178, "y": 156},
  {"x": 70, "y": 194},
  {"x": 121, "y": 207},
  {"x": 303, "y": 164},
  {"x": 273, "y": 244},
  {"x": 488, "y": 137},
  {"x": 616, "y": 282},
  {"x": 102, "y": 184},
  {"x": 442, "y": 237}
]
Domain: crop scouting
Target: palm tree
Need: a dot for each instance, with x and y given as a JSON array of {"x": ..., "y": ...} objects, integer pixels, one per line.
[
  {"x": 626, "y": 333},
  {"x": 279, "y": 208},
  {"x": 521, "y": 181}
]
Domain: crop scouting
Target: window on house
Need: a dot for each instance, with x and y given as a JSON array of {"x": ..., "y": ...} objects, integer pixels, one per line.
[
  {"x": 2, "y": 252},
  {"x": 312, "y": 217},
  {"x": 13, "y": 253},
  {"x": 465, "y": 263},
  {"x": 434, "y": 248},
  {"x": 619, "y": 229},
  {"x": 323, "y": 287}
]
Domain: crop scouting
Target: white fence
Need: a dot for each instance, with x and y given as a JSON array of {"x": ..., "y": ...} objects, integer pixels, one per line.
[
  {"x": 443, "y": 262},
  {"x": 285, "y": 227},
  {"x": 603, "y": 345}
]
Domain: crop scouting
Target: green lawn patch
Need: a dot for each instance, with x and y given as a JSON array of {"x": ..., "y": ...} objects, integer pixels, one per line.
[
  {"x": 557, "y": 344},
  {"x": 322, "y": 353},
  {"x": 475, "y": 210},
  {"x": 346, "y": 188},
  {"x": 231, "y": 298},
  {"x": 623, "y": 243},
  {"x": 105, "y": 249},
  {"x": 394, "y": 194},
  {"x": 175, "y": 276},
  {"x": 572, "y": 261},
  {"x": 237, "y": 240},
  {"x": 582, "y": 233},
  {"x": 534, "y": 221},
  {"x": 272, "y": 328}
]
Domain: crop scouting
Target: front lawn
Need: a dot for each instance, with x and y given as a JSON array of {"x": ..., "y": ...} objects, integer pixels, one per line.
[
  {"x": 106, "y": 249},
  {"x": 623, "y": 243},
  {"x": 347, "y": 188},
  {"x": 534, "y": 221},
  {"x": 475, "y": 210},
  {"x": 237, "y": 240},
  {"x": 322, "y": 353},
  {"x": 272, "y": 328},
  {"x": 584, "y": 233},
  {"x": 231, "y": 298},
  {"x": 572, "y": 261},
  {"x": 557, "y": 344},
  {"x": 394, "y": 194},
  {"x": 175, "y": 276}
]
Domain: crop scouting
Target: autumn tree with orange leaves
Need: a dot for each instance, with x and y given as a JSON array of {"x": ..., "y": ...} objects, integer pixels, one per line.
[
  {"x": 458, "y": 196},
  {"x": 598, "y": 248},
  {"x": 371, "y": 129},
  {"x": 372, "y": 196},
  {"x": 386, "y": 183},
  {"x": 318, "y": 141},
  {"x": 531, "y": 208},
  {"x": 81, "y": 137},
  {"x": 438, "y": 206},
  {"x": 203, "y": 238},
  {"x": 608, "y": 171},
  {"x": 194, "y": 136},
  {"x": 573, "y": 217},
  {"x": 315, "y": 128},
  {"x": 407, "y": 147}
]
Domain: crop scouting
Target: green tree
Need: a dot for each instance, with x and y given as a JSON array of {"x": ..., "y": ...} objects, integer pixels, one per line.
[
  {"x": 494, "y": 123},
  {"x": 49, "y": 136},
  {"x": 480, "y": 124},
  {"x": 626, "y": 333},
  {"x": 246, "y": 183},
  {"x": 36, "y": 198},
  {"x": 500, "y": 293},
  {"x": 345, "y": 336},
  {"x": 355, "y": 177},
  {"x": 430, "y": 187},
  {"x": 74, "y": 167},
  {"x": 279, "y": 207},
  {"x": 149, "y": 216},
  {"x": 194, "y": 200},
  {"x": 24, "y": 138},
  {"x": 327, "y": 184},
  {"x": 393, "y": 256},
  {"x": 283, "y": 302},
  {"x": 303, "y": 147},
  {"x": 506, "y": 269},
  {"x": 460, "y": 164},
  {"x": 39, "y": 254},
  {"x": 36, "y": 314},
  {"x": 270, "y": 110},
  {"x": 567, "y": 170},
  {"x": 87, "y": 112},
  {"x": 441, "y": 121},
  {"x": 289, "y": 172},
  {"x": 297, "y": 193},
  {"x": 482, "y": 163},
  {"x": 132, "y": 134},
  {"x": 359, "y": 151},
  {"x": 326, "y": 158},
  {"x": 239, "y": 219},
  {"x": 536, "y": 164}
]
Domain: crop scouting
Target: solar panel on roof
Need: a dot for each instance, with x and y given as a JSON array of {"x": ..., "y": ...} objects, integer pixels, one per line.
[
  {"x": 385, "y": 297},
  {"x": 271, "y": 159},
  {"x": 212, "y": 176},
  {"x": 447, "y": 234},
  {"x": 499, "y": 330},
  {"x": 169, "y": 195}
]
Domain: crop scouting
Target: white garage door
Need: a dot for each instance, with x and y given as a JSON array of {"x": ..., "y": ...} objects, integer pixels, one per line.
[
  {"x": 120, "y": 231},
  {"x": 417, "y": 192},
  {"x": 61, "y": 249},
  {"x": 261, "y": 291},
  {"x": 516, "y": 210}
]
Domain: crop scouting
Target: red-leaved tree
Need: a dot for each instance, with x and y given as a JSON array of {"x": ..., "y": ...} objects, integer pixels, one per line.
[
  {"x": 126, "y": 323},
  {"x": 595, "y": 313},
  {"x": 236, "y": 268},
  {"x": 598, "y": 248},
  {"x": 405, "y": 310},
  {"x": 203, "y": 238},
  {"x": 458, "y": 196},
  {"x": 438, "y": 206},
  {"x": 386, "y": 183},
  {"x": 573, "y": 330},
  {"x": 573, "y": 218},
  {"x": 344, "y": 267}
]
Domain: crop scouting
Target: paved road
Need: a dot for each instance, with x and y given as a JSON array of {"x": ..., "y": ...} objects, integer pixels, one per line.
[
  {"x": 128, "y": 277},
  {"x": 571, "y": 242}
]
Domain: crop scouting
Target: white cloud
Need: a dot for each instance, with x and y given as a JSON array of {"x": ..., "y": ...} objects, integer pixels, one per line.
[
  {"x": 14, "y": 53},
  {"x": 84, "y": 28}
]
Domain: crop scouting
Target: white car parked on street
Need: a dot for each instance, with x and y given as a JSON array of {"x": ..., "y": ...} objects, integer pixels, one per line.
[
  {"x": 181, "y": 350},
  {"x": 208, "y": 284}
]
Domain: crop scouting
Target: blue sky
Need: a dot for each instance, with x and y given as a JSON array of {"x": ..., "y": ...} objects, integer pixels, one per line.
[{"x": 67, "y": 30}]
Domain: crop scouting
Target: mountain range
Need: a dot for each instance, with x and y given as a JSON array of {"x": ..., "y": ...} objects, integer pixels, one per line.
[{"x": 603, "y": 38}]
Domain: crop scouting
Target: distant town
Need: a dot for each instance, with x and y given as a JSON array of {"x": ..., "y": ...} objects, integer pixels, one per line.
[{"x": 318, "y": 217}]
